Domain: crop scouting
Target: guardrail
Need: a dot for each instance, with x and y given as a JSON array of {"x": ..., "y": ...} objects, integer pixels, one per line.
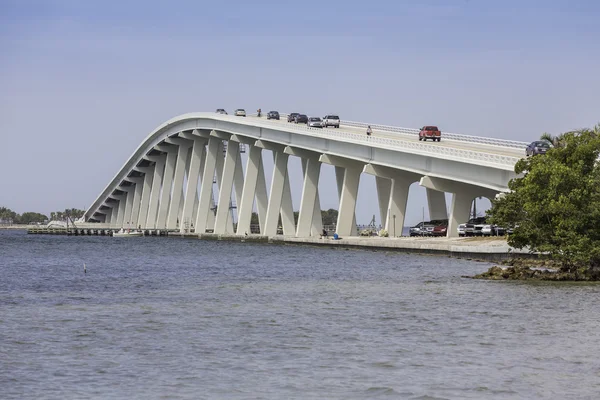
[
  {"x": 414, "y": 146},
  {"x": 413, "y": 132}
]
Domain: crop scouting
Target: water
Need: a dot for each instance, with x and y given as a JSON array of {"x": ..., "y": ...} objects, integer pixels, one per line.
[{"x": 188, "y": 319}]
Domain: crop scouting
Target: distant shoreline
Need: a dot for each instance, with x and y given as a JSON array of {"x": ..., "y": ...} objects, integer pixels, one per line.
[{"x": 23, "y": 227}]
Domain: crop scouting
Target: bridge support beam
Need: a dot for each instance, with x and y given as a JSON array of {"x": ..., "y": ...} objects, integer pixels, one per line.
[
  {"x": 262, "y": 201},
  {"x": 137, "y": 199},
  {"x": 129, "y": 190},
  {"x": 347, "y": 174},
  {"x": 146, "y": 191},
  {"x": 157, "y": 178},
  {"x": 249, "y": 191},
  {"x": 436, "y": 202},
  {"x": 384, "y": 189},
  {"x": 180, "y": 168},
  {"x": 463, "y": 195},
  {"x": 167, "y": 186},
  {"x": 204, "y": 201},
  {"x": 197, "y": 160},
  {"x": 223, "y": 217},
  {"x": 399, "y": 186},
  {"x": 119, "y": 210},
  {"x": 308, "y": 222},
  {"x": 276, "y": 193}
]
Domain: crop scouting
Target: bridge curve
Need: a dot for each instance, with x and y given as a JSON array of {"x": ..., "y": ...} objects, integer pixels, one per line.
[{"x": 159, "y": 186}]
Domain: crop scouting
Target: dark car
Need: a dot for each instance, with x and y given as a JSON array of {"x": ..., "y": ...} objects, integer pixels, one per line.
[
  {"x": 292, "y": 117},
  {"x": 439, "y": 230},
  {"x": 273, "y": 115},
  {"x": 430, "y": 132},
  {"x": 537, "y": 147},
  {"x": 301, "y": 119},
  {"x": 221, "y": 111},
  {"x": 422, "y": 229}
]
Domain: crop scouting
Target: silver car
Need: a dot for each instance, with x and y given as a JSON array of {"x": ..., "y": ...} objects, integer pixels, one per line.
[
  {"x": 240, "y": 112},
  {"x": 315, "y": 122}
]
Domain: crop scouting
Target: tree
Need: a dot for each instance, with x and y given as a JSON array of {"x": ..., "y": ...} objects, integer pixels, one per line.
[
  {"x": 554, "y": 205},
  {"x": 30, "y": 217}
]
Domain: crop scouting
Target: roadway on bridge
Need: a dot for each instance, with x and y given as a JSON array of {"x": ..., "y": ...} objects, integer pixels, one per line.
[{"x": 445, "y": 142}]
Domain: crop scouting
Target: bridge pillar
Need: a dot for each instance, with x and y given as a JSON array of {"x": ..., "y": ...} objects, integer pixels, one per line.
[
  {"x": 167, "y": 185},
  {"x": 196, "y": 168},
  {"x": 276, "y": 193},
  {"x": 180, "y": 168},
  {"x": 129, "y": 190},
  {"x": 262, "y": 201},
  {"x": 145, "y": 200},
  {"x": 288, "y": 224},
  {"x": 223, "y": 216},
  {"x": 119, "y": 209},
  {"x": 206, "y": 188},
  {"x": 347, "y": 175},
  {"x": 137, "y": 199},
  {"x": 309, "y": 202},
  {"x": 249, "y": 190},
  {"x": 398, "y": 187},
  {"x": 157, "y": 177},
  {"x": 463, "y": 195},
  {"x": 384, "y": 189},
  {"x": 436, "y": 201}
]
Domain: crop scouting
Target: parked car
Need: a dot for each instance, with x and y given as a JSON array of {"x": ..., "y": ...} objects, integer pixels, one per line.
[
  {"x": 331, "y": 120},
  {"x": 439, "y": 230},
  {"x": 273, "y": 115},
  {"x": 472, "y": 227},
  {"x": 301, "y": 119},
  {"x": 537, "y": 147},
  {"x": 221, "y": 111},
  {"x": 421, "y": 229},
  {"x": 315, "y": 122},
  {"x": 492, "y": 230},
  {"x": 430, "y": 132},
  {"x": 292, "y": 117},
  {"x": 240, "y": 112}
]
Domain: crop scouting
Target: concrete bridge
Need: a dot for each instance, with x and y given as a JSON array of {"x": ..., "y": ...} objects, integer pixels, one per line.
[{"x": 168, "y": 182}]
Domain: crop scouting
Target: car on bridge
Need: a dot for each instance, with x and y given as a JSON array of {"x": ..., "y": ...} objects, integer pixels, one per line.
[
  {"x": 292, "y": 117},
  {"x": 315, "y": 122},
  {"x": 240, "y": 112},
  {"x": 221, "y": 111},
  {"x": 331, "y": 120},
  {"x": 430, "y": 132},
  {"x": 301, "y": 119},
  {"x": 537, "y": 147},
  {"x": 273, "y": 115}
]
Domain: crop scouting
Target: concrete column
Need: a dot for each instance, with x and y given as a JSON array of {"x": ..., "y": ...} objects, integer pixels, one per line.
[
  {"x": 197, "y": 161},
  {"x": 309, "y": 197},
  {"x": 225, "y": 188},
  {"x": 436, "y": 202},
  {"x": 121, "y": 208},
  {"x": 262, "y": 201},
  {"x": 111, "y": 217},
  {"x": 339, "y": 179},
  {"x": 128, "y": 206},
  {"x": 346, "y": 216},
  {"x": 463, "y": 196},
  {"x": 384, "y": 188},
  {"x": 238, "y": 183},
  {"x": 137, "y": 200},
  {"x": 249, "y": 190},
  {"x": 397, "y": 205},
  {"x": 157, "y": 178},
  {"x": 287, "y": 209},
  {"x": 276, "y": 192},
  {"x": 204, "y": 201},
  {"x": 174, "y": 206},
  {"x": 212, "y": 216},
  {"x": 146, "y": 191},
  {"x": 167, "y": 186}
]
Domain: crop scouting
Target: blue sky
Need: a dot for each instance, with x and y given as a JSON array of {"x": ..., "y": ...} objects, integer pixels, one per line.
[{"x": 82, "y": 82}]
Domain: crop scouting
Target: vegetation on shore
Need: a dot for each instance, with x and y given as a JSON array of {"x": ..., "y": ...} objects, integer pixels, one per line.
[
  {"x": 554, "y": 209},
  {"x": 8, "y": 216}
]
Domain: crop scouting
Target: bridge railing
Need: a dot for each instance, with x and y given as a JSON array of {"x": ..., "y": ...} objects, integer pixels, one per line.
[
  {"x": 413, "y": 132},
  {"x": 474, "y": 157}
]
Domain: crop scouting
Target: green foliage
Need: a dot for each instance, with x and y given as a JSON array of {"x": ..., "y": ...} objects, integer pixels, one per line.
[
  {"x": 554, "y": 206},
  {"x": 329, "y": 217},
  {"x": 8, "y": 215},
  {"x": 73, "y": 213}
]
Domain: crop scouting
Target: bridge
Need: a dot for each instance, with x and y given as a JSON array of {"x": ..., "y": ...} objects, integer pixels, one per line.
[{"x": 168, "y": 182}]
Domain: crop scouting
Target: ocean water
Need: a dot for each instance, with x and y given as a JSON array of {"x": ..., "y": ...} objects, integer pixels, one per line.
[{"x": 170, "y": 318}]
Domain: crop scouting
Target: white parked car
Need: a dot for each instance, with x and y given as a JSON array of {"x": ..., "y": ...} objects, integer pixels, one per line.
[
  {"x": 315, "y": 122},
  {"x": 240, "y": 112},
  {"x": 331, "y": 120}
]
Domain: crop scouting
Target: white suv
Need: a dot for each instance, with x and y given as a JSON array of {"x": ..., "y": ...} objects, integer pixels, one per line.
[{"x": 331, "y": 120}]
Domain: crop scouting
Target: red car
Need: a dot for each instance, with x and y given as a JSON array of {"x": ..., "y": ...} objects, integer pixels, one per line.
[
  {"x": 439, "y": 230},
  {"x": 430, "y": 132}
]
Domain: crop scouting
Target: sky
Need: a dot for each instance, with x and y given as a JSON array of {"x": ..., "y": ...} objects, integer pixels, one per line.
[{"x": 82, "y": 83}]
